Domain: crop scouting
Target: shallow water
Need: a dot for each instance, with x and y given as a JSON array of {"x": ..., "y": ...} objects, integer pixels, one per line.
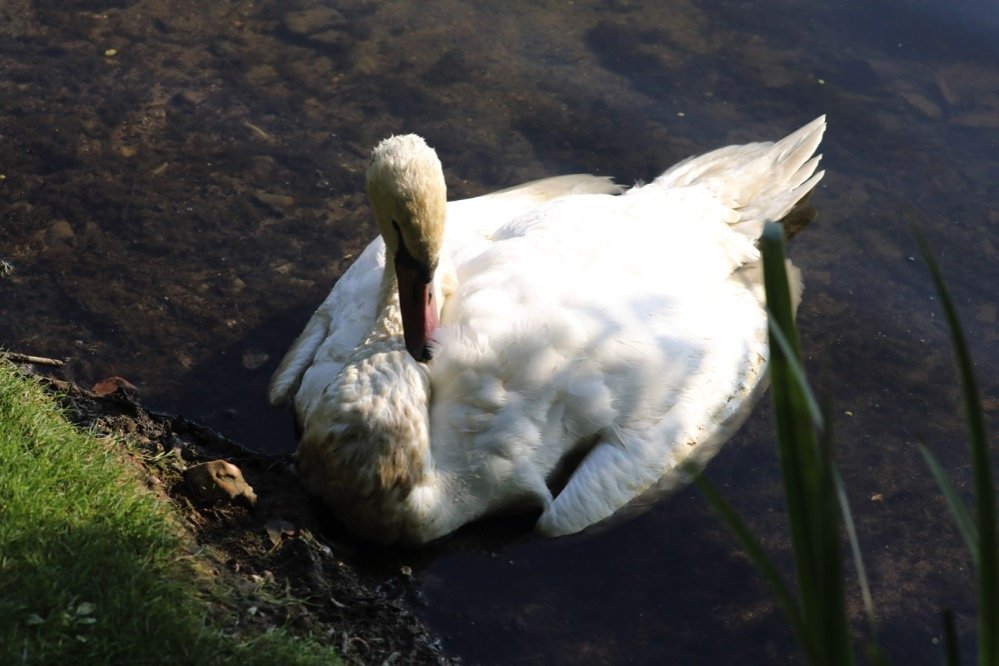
[{"x": 181, "y": 183}]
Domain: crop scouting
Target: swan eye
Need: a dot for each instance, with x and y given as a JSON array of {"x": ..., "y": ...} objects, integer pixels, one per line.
[
  {"x": 398, "y": 235},
  {"x": 403, "y": 256}
]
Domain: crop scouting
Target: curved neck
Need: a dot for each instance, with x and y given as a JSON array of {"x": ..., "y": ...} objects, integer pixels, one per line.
[{"x": 386, "y": 330}]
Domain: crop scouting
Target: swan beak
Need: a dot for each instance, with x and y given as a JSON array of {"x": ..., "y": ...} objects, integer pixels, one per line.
[{"x": 419, "y": 311}]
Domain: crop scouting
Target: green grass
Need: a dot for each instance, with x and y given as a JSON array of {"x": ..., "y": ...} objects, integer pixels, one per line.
[
  {"x": 813, "y": 491},
  {"x": 979, "y": 532},
  {"x": 816, "y": 500},
  {"x": 92, "y": 570}
]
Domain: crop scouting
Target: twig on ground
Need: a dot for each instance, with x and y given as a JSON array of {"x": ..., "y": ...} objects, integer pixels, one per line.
[{"x": 36, "y": 360}]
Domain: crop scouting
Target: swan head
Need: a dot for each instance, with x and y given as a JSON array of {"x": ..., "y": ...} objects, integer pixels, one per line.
[{"x": 405, "y": 185}]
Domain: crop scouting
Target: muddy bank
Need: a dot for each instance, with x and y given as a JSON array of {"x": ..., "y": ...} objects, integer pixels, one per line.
[{"x": 272, "y": 556}]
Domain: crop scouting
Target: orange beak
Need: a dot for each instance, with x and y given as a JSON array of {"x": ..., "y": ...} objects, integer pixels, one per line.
[{"x": 416, "y": 301}]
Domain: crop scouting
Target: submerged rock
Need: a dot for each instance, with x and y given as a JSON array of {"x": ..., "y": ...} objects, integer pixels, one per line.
[{"x": 312, "y": 21}]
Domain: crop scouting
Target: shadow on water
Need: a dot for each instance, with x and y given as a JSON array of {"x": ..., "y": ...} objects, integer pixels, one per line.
[
  {"x": 228, "y": 390},
  {"x": 508, "y": 607}
]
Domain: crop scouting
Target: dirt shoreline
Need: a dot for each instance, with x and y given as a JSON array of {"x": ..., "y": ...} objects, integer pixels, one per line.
[{"x": 273, "y": 561}]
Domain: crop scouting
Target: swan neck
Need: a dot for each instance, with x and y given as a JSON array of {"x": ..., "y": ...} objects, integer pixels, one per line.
[{"x": 388, "y": 317}]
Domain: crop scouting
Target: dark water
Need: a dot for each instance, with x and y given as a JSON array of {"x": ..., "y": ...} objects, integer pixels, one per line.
[{"x": 181, "y": 183}]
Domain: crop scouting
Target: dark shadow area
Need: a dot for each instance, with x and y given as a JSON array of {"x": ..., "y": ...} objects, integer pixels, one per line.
[
  {"x": 696, "y": 610},
  {"x": 228, "y": 391}
]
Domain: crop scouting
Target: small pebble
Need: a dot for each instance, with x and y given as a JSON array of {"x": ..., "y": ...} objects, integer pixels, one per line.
[
  {"x": 272, "y": 200},
  {"x": 61, "y": 230},
  {"x": 253, "y": 359}
]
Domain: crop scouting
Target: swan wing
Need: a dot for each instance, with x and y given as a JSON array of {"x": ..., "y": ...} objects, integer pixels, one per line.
[
  {"x": 334, "y": 330},
  {"x": 484, "y": 214},
  {"x": 637, "y": 460}
]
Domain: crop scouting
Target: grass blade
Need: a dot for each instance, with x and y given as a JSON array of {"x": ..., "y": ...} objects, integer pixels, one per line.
[
  {"x": 988, "y": 549},
  {"x": 874, "y": 653},
  {"x": 759, "y": 559},
  {"x": 809, "y": 482},
  {"x": 796, "y": 370},
  {"x": 795, "y": 437},
  {"x": 858, "y": 560},
  {"x": 965, "y": 523},
  {"x": 851, "y": 534}
]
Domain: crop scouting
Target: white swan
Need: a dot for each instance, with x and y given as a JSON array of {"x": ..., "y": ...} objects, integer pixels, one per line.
[{"x": 578, "y": 337}]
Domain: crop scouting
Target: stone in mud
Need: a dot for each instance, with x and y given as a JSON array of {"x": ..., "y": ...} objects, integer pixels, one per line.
[
  {"x": 115, "y": 384},
  {"x": 219, "y": 481},
  {"x": 277, "y": 202},
  {"x": 254, "y": 358},
  {"x": 329, "y": 38},
  {"x": 313, "y": 21},
  {"x": 61, "y": 231}
]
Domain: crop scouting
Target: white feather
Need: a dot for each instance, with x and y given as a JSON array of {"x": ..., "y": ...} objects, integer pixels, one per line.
[{"x": 630, "y": 329}]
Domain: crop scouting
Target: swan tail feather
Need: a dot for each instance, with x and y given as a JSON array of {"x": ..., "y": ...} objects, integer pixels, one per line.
[{"x": 762, "y": 181}]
